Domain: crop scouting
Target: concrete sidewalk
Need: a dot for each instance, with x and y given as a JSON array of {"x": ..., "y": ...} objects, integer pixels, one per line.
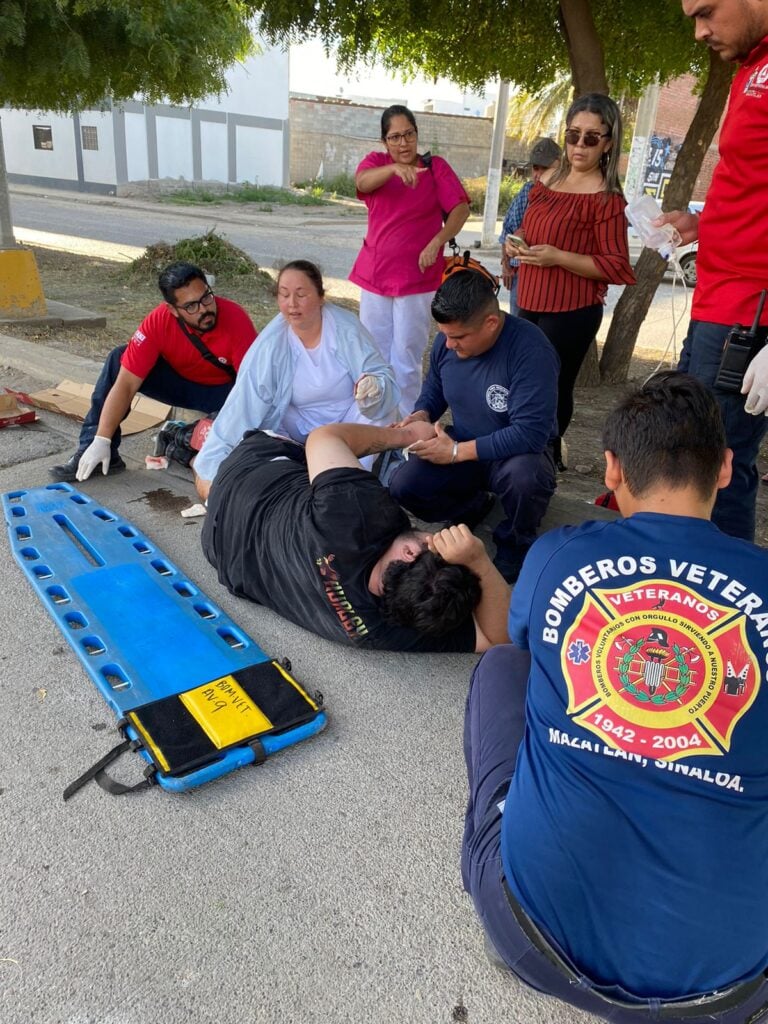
[{"x": 323, "y": 886}]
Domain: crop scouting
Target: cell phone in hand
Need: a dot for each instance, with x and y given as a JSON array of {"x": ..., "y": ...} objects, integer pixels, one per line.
[{"x": 518, "y": 241}]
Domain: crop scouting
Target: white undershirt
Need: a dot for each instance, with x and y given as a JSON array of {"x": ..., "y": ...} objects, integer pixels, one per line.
[{"x": 322, "y": 389}]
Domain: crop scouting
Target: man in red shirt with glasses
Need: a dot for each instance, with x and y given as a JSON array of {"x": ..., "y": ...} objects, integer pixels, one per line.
[
  {"x": 732, "y": 231},
  {"x": 186, "y": 352}
]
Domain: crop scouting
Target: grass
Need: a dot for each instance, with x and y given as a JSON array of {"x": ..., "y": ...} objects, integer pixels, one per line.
[
  {"x": 508, "y": 189},
  {"x": 338, "y": 185},
  {"x": 269, "y": 195},
  {"x": 211, "y": 252}
]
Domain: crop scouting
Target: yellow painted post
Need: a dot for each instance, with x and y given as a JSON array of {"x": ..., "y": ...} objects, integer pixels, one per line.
[{"x": 21, "y": 291}]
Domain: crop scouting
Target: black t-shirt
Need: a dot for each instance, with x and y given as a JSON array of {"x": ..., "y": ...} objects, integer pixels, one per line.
[{"x": 307, "y": 550}]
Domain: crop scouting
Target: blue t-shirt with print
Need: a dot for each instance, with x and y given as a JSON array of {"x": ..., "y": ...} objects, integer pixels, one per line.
[
  {"x": 635, "y": 832},
  {"x": 505, "y": 398}
]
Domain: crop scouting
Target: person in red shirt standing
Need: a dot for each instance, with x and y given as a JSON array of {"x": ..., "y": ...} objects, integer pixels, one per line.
[
  {"x": 731, "y": 267},
  {"x": 186, "y": 352},
  {"x": 575, "y": 236}
]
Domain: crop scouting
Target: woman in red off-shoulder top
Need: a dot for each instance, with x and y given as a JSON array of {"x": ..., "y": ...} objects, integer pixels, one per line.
[{"x": 576, "y": 242}]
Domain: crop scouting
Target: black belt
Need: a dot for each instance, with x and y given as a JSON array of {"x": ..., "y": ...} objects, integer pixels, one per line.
[{"x": 698, "y": 1006}]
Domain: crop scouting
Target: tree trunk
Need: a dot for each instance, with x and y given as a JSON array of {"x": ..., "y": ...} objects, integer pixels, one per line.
[
  {"x": 7, "y": 241},
  {"x": 632, "y": 307},
  {"x": 585, "y": 51},
  {"x": 589, "y": 374}
]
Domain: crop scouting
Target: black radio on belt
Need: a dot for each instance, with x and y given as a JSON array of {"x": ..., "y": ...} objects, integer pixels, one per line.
[{"x": 741, "y": 346}]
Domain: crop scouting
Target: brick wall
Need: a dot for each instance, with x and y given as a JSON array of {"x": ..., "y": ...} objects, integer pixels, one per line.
[
  {"x": 677, "y": 106},
  {"x": 338, "y": 135}
]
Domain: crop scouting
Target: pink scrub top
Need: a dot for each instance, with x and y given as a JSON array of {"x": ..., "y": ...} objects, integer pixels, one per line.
[{"x": 401, "y": 222}]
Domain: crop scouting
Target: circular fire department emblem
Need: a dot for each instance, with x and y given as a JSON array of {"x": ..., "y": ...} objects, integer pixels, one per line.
[{"x": 663, "y": 676}]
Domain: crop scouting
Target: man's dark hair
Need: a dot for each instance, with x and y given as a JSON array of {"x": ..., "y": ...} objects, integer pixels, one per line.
[
  {"x": 668, "y": 431},
  {"x": 464, "y": 298},
  {"x": 428, "y": 594},
  {"x": 178, "y": 275}
]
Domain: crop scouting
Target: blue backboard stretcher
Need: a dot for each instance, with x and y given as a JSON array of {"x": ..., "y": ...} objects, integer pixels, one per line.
[{"x": 191, "y": 690}]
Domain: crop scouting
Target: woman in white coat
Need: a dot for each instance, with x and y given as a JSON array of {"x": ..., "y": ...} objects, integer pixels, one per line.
[{"x": 313, "y": 364}]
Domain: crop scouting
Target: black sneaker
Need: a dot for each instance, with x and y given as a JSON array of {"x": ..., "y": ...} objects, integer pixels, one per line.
[
  {"x": 509, "y": 561},
  {"x": 67, "y": 471}
]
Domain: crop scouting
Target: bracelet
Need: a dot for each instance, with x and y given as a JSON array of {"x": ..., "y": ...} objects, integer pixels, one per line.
[{"x": 455, "y": 452}]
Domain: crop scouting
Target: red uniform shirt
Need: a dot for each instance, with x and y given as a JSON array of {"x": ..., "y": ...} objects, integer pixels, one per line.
[
  {"x": 159, "y": 336},
  {"x": 591, "y": 224},
  {"x": 732, "y": 261}
]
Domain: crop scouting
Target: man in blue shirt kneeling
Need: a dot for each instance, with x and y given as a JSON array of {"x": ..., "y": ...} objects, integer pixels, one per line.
[{"x": 498, "y": 376}]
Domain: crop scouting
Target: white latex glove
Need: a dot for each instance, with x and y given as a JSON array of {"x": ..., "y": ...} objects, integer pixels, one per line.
[
  {"x": 756, "y": 383},
  {"x": 368, "y": 391},
  {"x": 98, "y": 451}
]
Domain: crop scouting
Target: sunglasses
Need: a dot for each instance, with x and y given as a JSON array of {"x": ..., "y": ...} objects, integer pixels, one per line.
[{"x": 591, "y": 138}]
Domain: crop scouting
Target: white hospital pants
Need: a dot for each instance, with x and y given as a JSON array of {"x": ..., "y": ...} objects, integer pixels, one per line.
[{"x": 400, "y": 327}]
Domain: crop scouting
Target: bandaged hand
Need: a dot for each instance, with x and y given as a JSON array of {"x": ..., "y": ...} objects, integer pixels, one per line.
[
  {"x": 755, "y": 385},
  {"x": 368, "y": 391},
  {"x": 98, "y": 451}
]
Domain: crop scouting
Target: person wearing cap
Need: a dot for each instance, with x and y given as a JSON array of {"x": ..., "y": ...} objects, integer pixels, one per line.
[
  {"x": 498, "y": 375},
  {"x": 544, "y": 157}
]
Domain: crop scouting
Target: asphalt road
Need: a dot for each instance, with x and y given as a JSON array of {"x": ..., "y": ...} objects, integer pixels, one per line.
[
  {"x": 327, "y": 236},
  {"x": 330, "y": 236}
]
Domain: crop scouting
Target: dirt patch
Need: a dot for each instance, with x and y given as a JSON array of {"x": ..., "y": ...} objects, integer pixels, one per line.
[{"x": 125, "y": 298}]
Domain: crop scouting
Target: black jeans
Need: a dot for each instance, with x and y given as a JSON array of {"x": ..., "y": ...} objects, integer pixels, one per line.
[
  {"x": 734, "y": 510},
  {"x": 571, "y": 333},
  {"x": 524, "y": 483},
  {"x": 162, "y": 383}
]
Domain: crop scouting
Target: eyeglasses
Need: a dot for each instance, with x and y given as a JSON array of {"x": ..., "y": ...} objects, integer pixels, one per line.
[
  {"x": 397, "y": 137},
  {"x": 590, "y": 138},
  {"x": 192, "y": 307}
]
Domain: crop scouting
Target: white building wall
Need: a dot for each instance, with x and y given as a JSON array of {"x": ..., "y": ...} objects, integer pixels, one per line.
[
  {"x": 258, "y": 86},
  {"x": 22, "y": 158},
  {"x": 136, "y": 147},
  {"x": 99, "y": 165},
  {"x": 259, "y": 156},
  {"x": 174, "y": 148},
  {"x": 243, "y": 136},
  {"x": 213, "y": 151}
]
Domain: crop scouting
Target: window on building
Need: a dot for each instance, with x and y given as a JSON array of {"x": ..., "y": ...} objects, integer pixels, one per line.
[
  {"x": 43, "y": 136},
  {"x": 90, "y": 137}
]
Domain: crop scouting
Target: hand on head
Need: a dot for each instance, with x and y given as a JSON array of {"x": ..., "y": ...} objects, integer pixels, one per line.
[{"x": 457, "y": 545}]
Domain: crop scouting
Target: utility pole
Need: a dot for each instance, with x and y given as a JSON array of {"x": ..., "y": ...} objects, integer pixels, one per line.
[
  {"x": 491, "y": 210},
  {"x": 641, "y": 139}
]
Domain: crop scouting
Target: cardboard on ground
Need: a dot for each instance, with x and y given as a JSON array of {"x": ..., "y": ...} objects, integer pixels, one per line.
[
  {"x": 74, "y": 399},
  {"x": 11, "y": 414}
]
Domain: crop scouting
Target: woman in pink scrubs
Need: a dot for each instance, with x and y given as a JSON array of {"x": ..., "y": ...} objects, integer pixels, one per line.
[{"x": 415, "y": 204}]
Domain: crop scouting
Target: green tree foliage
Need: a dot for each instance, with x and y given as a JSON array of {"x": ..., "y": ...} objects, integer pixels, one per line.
[
  {"x": 72, "y": 54},
  {"x": 515, "y": 40}
]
